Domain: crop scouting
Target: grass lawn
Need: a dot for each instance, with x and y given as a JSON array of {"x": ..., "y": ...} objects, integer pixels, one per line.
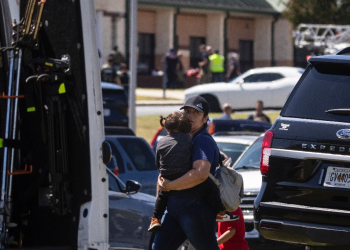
[{"x": 147, "y": 125}]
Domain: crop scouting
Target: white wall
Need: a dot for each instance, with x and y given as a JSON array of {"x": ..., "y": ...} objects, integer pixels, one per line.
[
  {"x": 215, "y": 32},
  {"x": 262, "y": 41},
  {"x": 283, "y": 41},
  {"x": 164, "y": 30}
]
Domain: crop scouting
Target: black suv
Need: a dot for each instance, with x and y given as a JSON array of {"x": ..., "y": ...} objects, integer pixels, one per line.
[{"x": 305, "y": 160}]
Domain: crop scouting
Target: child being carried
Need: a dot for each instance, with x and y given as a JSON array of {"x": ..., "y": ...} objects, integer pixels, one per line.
[{"x": 174, "y": 159}]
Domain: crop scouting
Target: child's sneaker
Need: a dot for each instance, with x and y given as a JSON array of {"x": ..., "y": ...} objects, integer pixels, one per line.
[
  {"x": 155, "y": 225},
  {"x": 226, "y": 216}
]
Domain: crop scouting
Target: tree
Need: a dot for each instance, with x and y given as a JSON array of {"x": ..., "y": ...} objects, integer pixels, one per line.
[{"x": 318, "y": 12}]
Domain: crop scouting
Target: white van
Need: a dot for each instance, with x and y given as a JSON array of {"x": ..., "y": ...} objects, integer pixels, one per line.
[{"x": 54, "y": 186}]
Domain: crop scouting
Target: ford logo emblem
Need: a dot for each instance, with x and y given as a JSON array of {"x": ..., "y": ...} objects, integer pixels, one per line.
[{"x": 343, "y": 134}]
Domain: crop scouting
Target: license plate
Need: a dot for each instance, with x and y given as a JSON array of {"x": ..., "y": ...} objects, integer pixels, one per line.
[
  {"x": 337, "y": 177},
  {"x": 106, "y": 112}
]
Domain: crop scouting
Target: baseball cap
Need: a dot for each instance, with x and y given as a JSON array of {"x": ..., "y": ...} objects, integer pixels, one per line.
[{"x": 198, "y": 103}]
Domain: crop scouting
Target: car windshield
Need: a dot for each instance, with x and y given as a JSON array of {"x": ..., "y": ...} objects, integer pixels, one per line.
[
  {"x": 139, "y": 152},
  {"x": 250, "y": 160},
  {"x": 233, "y": 150}
]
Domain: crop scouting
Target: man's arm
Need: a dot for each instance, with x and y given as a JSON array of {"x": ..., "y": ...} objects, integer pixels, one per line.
[
  {"x": 226, "y": 236},
  {"x": 195, "y": 176},
  {"x": 230, "y": 70}
]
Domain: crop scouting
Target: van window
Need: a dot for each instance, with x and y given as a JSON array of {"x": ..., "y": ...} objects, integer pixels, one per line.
[{"x": 139, "y": 152}]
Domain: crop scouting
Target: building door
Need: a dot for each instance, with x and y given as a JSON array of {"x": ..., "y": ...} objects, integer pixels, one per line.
[
  {"x": 146, "y": 46},
  {"x": 246, "y": 59},
  {"x": 195, "y": 54}
]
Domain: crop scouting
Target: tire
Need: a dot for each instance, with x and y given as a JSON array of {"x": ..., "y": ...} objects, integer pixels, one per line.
[{"x": 214, "y": 106}]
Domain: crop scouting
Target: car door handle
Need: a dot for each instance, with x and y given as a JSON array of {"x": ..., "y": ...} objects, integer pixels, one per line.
[{"x": 128, "y": 166}]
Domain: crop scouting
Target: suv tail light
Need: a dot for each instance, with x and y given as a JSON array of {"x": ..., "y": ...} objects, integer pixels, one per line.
[
  {"x": 266, "y": 152},
  {"x": 116, "y": 171},
  {"x": 211, "y": 128},
  {"x": 155, "y": 136}
]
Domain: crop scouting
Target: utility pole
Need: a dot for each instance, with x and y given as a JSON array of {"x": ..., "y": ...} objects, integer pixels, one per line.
[{"x": 132, "y": 63}]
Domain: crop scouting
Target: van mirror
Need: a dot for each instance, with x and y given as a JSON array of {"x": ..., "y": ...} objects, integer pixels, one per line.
[{"x": 106, "y": 152}]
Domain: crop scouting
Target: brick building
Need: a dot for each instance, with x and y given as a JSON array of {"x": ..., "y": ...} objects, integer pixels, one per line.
[{"x": 254, "y": 29}]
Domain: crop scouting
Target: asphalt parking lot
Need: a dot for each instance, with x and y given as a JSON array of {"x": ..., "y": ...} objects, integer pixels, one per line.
[{"x": 272, "y": 245}]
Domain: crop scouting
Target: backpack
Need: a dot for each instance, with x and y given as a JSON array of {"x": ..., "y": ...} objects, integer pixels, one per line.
[{"x": 230, "y": 184}]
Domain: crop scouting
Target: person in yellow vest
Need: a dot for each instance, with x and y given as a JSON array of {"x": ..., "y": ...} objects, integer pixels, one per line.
[{"x": 217, "y": 66}]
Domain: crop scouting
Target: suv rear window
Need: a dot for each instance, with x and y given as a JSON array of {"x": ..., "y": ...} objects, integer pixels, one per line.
[
  {"x": 324, "y": 87},
  {"x": 139, "y": 152}
]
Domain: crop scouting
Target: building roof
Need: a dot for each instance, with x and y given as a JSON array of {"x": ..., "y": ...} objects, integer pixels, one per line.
[{"x": 249, "y": 6}]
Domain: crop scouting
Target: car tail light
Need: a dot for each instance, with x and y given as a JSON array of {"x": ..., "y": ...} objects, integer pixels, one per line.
[
  {"x": 155, "y": 136},
  {"x": 116, "y": 171},
  {"x": 211, "y": 128},
  {"x": 266, "y": 152}
]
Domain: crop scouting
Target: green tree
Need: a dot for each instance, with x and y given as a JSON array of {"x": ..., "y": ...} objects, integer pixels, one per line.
[{"x": 318, "y": 12}]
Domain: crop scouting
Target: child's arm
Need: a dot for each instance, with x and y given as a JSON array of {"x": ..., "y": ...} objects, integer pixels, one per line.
[{"x": 226, "y": 236}]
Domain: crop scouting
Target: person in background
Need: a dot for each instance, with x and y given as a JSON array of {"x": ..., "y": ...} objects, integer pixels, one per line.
[
  {"x": 170, "y": 63},
  {"x": 259, "y": 115},
  {"x": 227, "y": 111},
  {"x": 232, "y": 71},
  {"x": 209, "y": 50},
  {"x": 124, "y": 76},
  {"x": 217, "y": 66},
  {"x": 231, "y": 234},
  {"x": 180, "y": 72},
  {"x": 108, "y": 74},
  {"x": 118, "y": 58},
  {"x": 204, "y": 72}
]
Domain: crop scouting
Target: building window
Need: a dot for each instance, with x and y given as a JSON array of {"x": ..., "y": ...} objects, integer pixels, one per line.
[
  {"x": 195, "y": 54},
  {"x": 246, "y": 59},
  {"x": 146, "y": 46}
]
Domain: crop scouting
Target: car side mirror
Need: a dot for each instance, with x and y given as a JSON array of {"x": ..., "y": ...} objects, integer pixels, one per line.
[
  {"x": 132, "y": 187},
  {"x": 106, "y": 152}
]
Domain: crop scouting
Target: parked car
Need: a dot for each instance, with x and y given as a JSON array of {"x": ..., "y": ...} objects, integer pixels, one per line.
[
  {"x": 248, "y": 165},
  {"x": 133, "y": 159},
  {"x": 233, "y": 144},
  {"x": 272, "y": 85},
  {"x": 130, "y": 214},
  {"x": 118, "y": 130},
  {"x": 216, "y": 126},
  {"x": 115, "y": 105},
  {"x": 305, "y": 192}
]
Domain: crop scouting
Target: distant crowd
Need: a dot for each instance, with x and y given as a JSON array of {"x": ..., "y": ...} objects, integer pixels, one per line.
[{"x": 210, "y": 69}]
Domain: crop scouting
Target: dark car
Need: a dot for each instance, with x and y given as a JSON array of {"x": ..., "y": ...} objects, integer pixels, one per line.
[
  {"x": 216, "y": 126},
  {"x": 130, "y": 214},
  {"x": 115, "y": 105},
  {"x": 222, "y": 125},
  {"x": 305, "y": 163},
  {"x": 133, "y": 159}
]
